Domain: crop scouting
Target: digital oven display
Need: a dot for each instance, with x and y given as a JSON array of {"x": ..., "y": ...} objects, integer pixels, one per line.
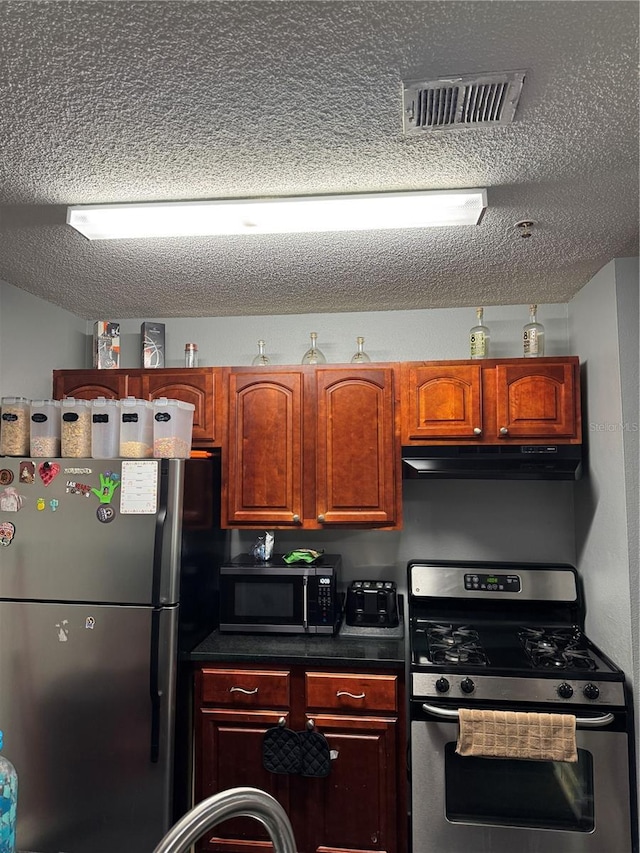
[{"x": 492, "y": 583}]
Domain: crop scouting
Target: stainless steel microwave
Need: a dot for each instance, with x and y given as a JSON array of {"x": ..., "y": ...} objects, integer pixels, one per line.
[{"x": 276, "y": 597}]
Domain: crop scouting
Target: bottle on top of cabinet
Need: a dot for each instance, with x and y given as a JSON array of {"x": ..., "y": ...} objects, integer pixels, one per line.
[
  {"x": 479, "y": 337},
  {"x": 533, "y": 335}
]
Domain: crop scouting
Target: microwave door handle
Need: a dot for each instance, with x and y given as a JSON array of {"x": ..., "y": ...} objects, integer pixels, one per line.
[
  {"x": 305, "y": 602},
  {"x": 587, "y": 722}
]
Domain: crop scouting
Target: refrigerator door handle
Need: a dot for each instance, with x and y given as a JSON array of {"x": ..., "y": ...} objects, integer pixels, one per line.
[
  {"x": 161, "y": 518},
  {"x": 154, "y": 686}
]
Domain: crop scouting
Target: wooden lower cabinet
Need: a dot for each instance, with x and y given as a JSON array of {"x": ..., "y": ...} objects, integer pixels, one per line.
[{"x": 360, "y": 807}]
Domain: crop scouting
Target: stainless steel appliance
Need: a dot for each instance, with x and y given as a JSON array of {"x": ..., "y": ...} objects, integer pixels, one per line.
[
  {"x": 507, "y": 636},
  {"x": 373, "y": 603},
  {"x": 89, "y": 620},
  {"x": 279, "y": 597}
]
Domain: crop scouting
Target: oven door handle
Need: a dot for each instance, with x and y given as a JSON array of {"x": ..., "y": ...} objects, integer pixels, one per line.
[{"x": 587, "y": 722}]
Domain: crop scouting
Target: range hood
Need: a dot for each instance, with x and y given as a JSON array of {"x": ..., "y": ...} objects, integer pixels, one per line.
[{"x": 493, "y": 462}]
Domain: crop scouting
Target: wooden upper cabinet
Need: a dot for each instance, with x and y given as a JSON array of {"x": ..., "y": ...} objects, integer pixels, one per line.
[
  {"x": 441, "y": 400},
  {"x": 492, "y": 401},
  {"x": 263, "y": 482},
  {"x": 201, "y": 386},
  {"x": 89, "y": 384},
  {"x": 537, "y": 400},
  {"x": 356, "y": 447}
]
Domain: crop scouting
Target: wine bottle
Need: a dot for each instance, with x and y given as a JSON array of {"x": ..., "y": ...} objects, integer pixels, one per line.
[
  {"x": 313, "y": 355},
  {"x": 360, "y": 356},
  {"x": 533, "y": 335},
  {"x": 479, "y": 337},
  {"x": 262, "y": 358}
]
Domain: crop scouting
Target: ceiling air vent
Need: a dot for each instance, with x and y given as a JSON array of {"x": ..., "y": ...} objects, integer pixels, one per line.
[{"x": 479, "y": 100}]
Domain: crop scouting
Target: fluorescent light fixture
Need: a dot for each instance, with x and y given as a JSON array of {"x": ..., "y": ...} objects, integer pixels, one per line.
[{"x": 363, "y": 212}]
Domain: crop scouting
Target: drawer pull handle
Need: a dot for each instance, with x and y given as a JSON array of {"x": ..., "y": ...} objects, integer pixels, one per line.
[
  {"x": 242, "y": 690},
  {"x": 351, "y": 695}
]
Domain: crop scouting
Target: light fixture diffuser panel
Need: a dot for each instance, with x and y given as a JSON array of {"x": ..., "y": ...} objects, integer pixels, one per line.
[{"x": 362, "y": 212}]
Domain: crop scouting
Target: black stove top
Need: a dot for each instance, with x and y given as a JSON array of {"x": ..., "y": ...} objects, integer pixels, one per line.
[{"x": 507, "y": 649}]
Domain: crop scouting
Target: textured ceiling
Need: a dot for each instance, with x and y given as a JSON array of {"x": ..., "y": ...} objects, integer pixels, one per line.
[{"x": 122, "y": 101}]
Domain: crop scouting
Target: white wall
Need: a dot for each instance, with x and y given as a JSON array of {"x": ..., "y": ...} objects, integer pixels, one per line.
[
  {"x": 603, "y": 519},
  {"x": 35, "y": 337}
]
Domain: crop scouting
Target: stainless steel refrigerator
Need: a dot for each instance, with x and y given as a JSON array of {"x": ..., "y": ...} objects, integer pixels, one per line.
[{"x": 89, "y": 602}]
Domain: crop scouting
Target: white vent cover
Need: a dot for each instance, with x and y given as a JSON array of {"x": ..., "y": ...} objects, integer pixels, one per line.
[{"x": 479, "y": 100}]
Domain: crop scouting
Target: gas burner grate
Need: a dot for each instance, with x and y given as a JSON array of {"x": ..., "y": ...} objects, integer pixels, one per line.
[
  {"x": 455, "y": 644},
  {"x": 556, "y": 648}
]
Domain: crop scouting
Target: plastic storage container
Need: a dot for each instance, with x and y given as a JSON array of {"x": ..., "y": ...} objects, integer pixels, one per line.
[
  {"x": 105, "y": 428},
  {"x": 172, "y": 428},
  {"x": 8, "y": 803},
  {"x": 136, "y": 428},
  {"x": 14, "y": 428},
  {"x": 75, "y": 427},
  {"x": 45, "y": 428}
]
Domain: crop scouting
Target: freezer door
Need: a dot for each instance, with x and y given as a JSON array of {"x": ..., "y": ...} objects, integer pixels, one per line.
[
  {"x": 92, "y": 751},
  {"x": 106, "y": 530}
]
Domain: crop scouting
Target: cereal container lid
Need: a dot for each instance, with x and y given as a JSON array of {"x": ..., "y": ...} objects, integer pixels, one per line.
[
  {"x": 14, "y": 401},
  {"x": 72, "y": 403}
]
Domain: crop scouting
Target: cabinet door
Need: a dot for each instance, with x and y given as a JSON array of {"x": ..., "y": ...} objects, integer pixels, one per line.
[
  {"x": 354, "y": 808},
  {"x": 229, "y": 755},
  {"x": 200, "y": 386},
  {"x": 356, "y": 447},
  {"x": 538, "y": 400},
  {"x": 441, "y": 401},
  {"x": 263, "y": 462},
  {"x": 89, "y": 384}
]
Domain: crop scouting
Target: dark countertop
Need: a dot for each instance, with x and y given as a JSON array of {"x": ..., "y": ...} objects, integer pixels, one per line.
[{"x": 378, "y": 651}]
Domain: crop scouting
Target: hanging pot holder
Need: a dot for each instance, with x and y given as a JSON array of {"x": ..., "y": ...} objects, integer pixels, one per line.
[
  {"x": 316, "y": 758},
  {"x": 281, "y": 750}
]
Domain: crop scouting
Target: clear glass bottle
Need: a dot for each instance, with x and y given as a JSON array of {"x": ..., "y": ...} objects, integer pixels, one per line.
[
  {"x": 533, "y": 335},
  {"x": 479, "y": 337},
  {"x": 191, "y": 355},
  {"x": 313, "y": 355},
  {"x": 360, "y": 356},
  {"x": 8, "y": 803},
  {"x": 262, "y": 357}
]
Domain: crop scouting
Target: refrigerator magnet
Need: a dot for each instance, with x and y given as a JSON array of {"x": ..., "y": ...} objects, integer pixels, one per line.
[
  {"x": 48, "y": 471},
  {"x": 40, "y": 504},
  {"x": 105, "y": 513},
  {"x": 7, "y": 532},
  {"x": 10, "y": 500},
  {"x": 27, "y": 472},
  {"x": 6, "y": 477}
]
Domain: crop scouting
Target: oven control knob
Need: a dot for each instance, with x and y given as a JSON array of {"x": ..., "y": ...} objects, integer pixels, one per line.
[
  {"x": 442, "y": 685},
  {"x": 565, "y": 691},
  {"x": 591, "y": 691},
  {"x": 467, "y": 685}
]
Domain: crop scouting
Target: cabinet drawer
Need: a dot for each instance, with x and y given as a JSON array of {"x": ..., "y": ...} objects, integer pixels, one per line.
[
  {"x": 351, "y": 690},
  {"x": 245, "y": 688}
]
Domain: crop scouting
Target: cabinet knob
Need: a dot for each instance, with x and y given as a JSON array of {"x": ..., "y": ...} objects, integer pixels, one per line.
[
  {"x": 296, "y": 519},
  {"x": 477, "y": 431},
  {"x": 310, "y": 725},
  {"x": 321, "y": 518},
  {"x": 504, "y": 431}
]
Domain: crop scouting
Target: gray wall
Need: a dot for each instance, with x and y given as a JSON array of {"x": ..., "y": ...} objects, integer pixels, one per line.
[
  {"x": 606, "y": 340},
  {"x": 389, "y": 335},
  {"x": 35, "y": 337}
]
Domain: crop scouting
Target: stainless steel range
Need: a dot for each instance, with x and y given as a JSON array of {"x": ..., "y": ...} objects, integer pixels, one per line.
[{"x": 509, "y": 637}]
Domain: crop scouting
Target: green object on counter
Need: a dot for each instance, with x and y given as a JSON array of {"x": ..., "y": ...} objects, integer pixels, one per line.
[{"x": 302, "y": 555}]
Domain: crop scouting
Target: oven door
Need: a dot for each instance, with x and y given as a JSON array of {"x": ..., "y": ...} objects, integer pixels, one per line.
[{"x": 491, "y": 805}]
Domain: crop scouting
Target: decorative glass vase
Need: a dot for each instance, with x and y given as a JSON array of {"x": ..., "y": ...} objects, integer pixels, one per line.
[
  {"x": 313, "y": 355},
  {"x": 360, "y": 356},
  {"x": 262, "y": 357}
]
